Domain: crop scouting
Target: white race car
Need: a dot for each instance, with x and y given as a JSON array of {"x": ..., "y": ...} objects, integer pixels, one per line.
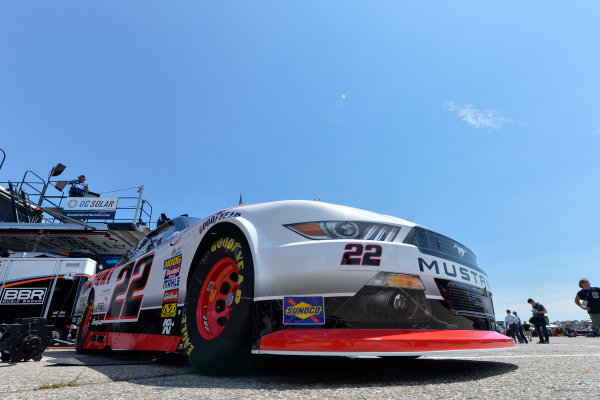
[{"x": 291, "y": 278}]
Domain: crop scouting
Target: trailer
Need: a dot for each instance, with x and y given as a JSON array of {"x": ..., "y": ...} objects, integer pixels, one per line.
[{"x": 43, "y": 287}]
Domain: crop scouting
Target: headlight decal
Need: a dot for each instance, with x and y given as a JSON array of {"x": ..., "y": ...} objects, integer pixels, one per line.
[{"x": 322, "y": 230}]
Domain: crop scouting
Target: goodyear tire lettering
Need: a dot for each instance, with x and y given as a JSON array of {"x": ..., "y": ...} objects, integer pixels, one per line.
[{"x": 185, "y": 338}]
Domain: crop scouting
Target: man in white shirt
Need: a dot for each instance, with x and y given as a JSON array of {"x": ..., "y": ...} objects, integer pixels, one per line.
[{"x": 512, "y": 324}]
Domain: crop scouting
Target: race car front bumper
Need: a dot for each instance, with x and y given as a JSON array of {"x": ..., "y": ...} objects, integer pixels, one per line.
[{"x": 380, "y": 342}]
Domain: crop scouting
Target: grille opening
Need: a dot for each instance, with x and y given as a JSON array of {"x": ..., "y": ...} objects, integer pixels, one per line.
[{"x": 466, "y": 299}]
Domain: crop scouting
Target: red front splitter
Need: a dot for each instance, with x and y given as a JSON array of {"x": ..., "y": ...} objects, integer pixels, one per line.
[{"x": 380, "y": 341}]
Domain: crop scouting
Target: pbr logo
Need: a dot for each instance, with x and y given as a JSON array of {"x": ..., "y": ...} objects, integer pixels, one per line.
[
  {"x": 23, "y": 296},
  {"x": 303, "y": 310}
]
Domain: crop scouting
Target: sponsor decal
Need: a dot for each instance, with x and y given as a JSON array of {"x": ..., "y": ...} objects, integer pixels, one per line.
[
  {"x": 172, "y": 262},
  {"x": 69, "y": 277},
  {"x": 72, "y": 265},
  {"x": 168, "y": 310},
  {"x": 217, "y": 217},
  {"x": 23, "y": 296},
  {"x": 170, "y": 296},
  {"x": 173, "y": 271},
  {"x": 175, "y": 238},
  {"x": 172, "y": 267},
  {"x": 172, "y": 278},
  {"x": 303, "y": 310},
  {"x": 83, "y": 207},
  {"x": 451, "y": 271},
  {"x": 171, "y": 282},
  {"x": 169, "y": 307},
  {"x": 167, "y": 325},
  {"x": 176, "y": 251}
]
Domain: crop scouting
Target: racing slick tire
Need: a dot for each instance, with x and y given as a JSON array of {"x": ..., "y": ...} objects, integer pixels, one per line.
[
  {"x": 84, "y": 327},
  {"x": 217, "y": 321}
]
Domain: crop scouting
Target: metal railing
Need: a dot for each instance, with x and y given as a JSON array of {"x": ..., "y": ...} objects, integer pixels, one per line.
[{"x": 130, "y": 209}]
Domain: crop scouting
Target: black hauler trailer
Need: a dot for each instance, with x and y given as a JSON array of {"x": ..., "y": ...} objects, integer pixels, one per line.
[{"x": 43, "y": 288}]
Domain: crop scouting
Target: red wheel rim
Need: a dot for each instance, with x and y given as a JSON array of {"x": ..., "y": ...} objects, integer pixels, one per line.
[{"x": 217, "y": 298}]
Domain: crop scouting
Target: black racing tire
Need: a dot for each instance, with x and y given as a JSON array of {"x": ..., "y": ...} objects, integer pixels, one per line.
[
  {"x": 85, "y": 326},
  {"x": 217, "y": 321}
]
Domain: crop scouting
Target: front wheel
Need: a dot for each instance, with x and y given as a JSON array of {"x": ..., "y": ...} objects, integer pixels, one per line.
[
  {"x": 85, "y": 326},
  {"x": 216, "y": 326}
]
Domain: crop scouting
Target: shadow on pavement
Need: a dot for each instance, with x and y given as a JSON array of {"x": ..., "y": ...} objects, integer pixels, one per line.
[{"x": 289, "y": 372}]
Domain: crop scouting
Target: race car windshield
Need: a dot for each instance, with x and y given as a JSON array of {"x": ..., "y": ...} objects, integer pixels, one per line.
[{"x": 157, "y": 237}]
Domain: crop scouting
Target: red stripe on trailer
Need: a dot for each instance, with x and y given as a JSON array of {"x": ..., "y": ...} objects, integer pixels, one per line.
[
  {"x": 131, "y": 341},
  {"x": 382, "y": 340}
]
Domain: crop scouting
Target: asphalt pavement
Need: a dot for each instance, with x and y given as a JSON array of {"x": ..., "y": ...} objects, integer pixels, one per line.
[{"x": 567, "y": 368}]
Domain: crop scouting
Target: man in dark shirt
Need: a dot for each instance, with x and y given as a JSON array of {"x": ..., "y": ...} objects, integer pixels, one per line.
[
  {"x": 78, "y": 187},
  {"x": 539, "y": 321},
  {"x": 588, "y": 298}
]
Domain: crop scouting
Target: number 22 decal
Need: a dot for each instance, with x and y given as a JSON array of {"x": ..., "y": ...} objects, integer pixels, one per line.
[
  {"x": 125, "y": 302},
  {"x": 358, "y": 254}
]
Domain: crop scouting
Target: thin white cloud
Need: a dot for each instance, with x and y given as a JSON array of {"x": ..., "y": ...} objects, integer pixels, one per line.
[
  {"x": 596, "y": 132},
  {"x": 478, "y": 118}
]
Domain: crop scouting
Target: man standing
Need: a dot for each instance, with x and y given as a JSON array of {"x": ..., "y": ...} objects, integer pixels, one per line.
[
  {"x": 512, "y": 325},
  {"x": 520, "y": 332},
  {"x": 78, "y": 187},
  {"x": 539, "y": 321},
  {"x": 588, "y": 298}
]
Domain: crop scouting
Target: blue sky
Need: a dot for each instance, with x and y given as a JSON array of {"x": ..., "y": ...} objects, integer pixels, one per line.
[{"x": 478, "y": 120}]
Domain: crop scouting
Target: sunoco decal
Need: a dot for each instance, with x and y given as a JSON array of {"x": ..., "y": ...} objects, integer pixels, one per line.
[
  {"x": 24, "y": 296},
  {"x": 303, "y": 310}
]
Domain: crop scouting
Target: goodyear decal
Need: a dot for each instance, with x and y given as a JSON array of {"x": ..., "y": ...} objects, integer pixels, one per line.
[
  {"x": 172, "y": 262},
  {"x": 303, "y": 310}
]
